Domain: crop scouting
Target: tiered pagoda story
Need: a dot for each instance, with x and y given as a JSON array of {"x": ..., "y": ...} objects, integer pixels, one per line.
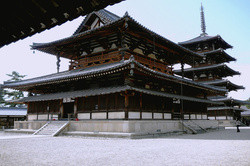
[
  {"x": 212, "y": 69},
  {"x": 119, "y": 70}
]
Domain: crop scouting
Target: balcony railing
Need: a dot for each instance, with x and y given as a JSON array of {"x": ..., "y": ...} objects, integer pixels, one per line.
[{"x": 115, "y": 56}]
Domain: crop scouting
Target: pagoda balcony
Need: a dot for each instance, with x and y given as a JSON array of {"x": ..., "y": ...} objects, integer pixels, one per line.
[{"x": 116, "y": 56}]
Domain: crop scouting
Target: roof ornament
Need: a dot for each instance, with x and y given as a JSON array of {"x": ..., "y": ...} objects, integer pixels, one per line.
[
  {"x": 126, "y": 14},
  {"x": 203, "y": 25},
  {"x": 131, "y": 58}
]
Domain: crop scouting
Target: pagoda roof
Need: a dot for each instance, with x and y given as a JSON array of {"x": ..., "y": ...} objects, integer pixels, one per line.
[
  {"x": 21, "y": 19},
  {"x": 219, "y": 54},
  {"x": 100, "y": 71},
  {"x": 221, "y": 69},
  {"x": 106, "y": 17},
  {"x": 108, "y": 90},
  {"x": 231, "y": 101},
  {"x": 205, "y": 38},
  {"x": 225, "y": 108},
  {"x": 225, "y": 83},
  {"x": 53, "y": 47}
]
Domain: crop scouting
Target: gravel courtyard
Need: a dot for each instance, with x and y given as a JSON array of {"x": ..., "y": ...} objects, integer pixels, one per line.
[{"x": 223, "y": 147}]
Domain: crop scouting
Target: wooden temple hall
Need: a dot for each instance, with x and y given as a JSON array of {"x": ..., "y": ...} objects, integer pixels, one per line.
[{"x": 120, "y": 70}]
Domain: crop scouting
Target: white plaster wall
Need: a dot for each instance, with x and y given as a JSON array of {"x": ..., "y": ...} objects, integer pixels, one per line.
[
  {"x": 186, "y": 116},
  {"x": 116, "y": 115},
  {"x": 192, "y": 116},
  {"x": 32, "y": 117},
  {"x": 134, "y": 115},
  {"x": 99, "y": 115},
  {"x": 157, "y": 115},
  {"x": 167, "y": 116},
  {"x": 43, "y": 116},
  {"x": 211, "y": 118},
  {"x": 146, "y": 115},
  {"x": 220, "y": 117},
  {"x": 204, "y": 116},
  {"x": 198, "y": 116},
  {"x": 83, "y": 115}
]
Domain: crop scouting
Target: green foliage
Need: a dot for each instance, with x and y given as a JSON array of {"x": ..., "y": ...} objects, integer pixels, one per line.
[
  {"x": 15, "y": 76},
  {"x": 12, "y": 94},
  {"x": 248, "y": 106},
  {"x": 2, "y": 101}
]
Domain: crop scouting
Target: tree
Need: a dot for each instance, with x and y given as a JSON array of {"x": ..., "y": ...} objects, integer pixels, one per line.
[
  {"x": 13, "y": 94},
  {"x": 2, "y": 101},
  {"x": 248, "y": 106}
]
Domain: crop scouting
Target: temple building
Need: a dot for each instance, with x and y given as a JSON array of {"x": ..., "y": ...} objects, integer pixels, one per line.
[
  {"x": 119, "y": 70},
  {"x": 213, "y": 70}
]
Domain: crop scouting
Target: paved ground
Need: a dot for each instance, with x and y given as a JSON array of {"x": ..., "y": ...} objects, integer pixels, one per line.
[{"x": 224, "y": 147}]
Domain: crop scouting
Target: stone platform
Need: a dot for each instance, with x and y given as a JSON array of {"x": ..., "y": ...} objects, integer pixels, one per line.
[{"x": 120, "y": 128}]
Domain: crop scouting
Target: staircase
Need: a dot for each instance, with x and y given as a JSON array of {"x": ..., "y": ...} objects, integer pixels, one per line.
[
  {"x": 52, "y": 128},
  {"x": 192, "y": 127}
]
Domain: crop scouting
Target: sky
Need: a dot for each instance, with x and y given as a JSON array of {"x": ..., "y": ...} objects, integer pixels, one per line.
[{"x": 176, "y": 20}]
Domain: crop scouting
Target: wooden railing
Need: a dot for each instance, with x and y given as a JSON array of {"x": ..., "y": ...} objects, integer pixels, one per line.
[{"x": 115, "y": 56}]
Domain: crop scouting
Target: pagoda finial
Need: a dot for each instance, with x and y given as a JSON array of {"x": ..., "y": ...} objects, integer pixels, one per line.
[
  {"x": 126, "y": 14},
  {"x": 203, "y": 26}
]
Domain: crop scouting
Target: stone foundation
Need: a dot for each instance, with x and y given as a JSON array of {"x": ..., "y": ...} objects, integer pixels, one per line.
[{"x": 121, "y": 126}]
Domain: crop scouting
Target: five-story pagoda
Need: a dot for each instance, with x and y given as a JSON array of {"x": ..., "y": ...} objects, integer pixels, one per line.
[{"x": 212, "y": 70}]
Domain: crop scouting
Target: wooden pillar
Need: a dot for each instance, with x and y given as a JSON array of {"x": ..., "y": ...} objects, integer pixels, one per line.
[
  {"x": 107, "y": 106},
  {"x": 61, "y": 108},
  {"x": 126, "y": 103},
  {"x": 182, "y": 75},
  {"x": 140, "y": 105},
  {"x": 226, "y": 114},
  {"x": 75, "y": 107},
  {"x": 116, "y": 101},
  {"x": 48, "y": 111},
  {"x": 172, "y": 110}
]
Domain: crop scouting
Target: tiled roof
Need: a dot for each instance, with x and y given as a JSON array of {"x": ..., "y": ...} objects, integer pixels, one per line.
[
  {"x": 13, "y": 111},
  {"x": 104, "y": 15},
  {"x": 108, "y": 90},
  {"x": 221, "y": 52},
  {"x": 231, "y": 100},
  {"x": 51, "y": 47},
  {"x": 94, "y": 71},
  {"x": 225, "y": 108},
  {"x": 223, "y": 82},
  {"x": 203, "y": 38},
  {"x": 210, "y": 67}
]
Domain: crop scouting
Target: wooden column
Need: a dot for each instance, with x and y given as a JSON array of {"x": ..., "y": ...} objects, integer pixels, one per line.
[
  {"x": 126, "y": 103},
  {"x": 107, "y": 107},
  {"x": 75, "y": 107},
  {"x": 182, "y": 75},
  {"x": 172, "y": 116},
  {"x": 61, "y": 109},
  {"x": 140, "y": 105}
]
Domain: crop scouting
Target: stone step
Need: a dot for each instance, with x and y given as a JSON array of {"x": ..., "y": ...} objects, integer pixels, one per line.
[{"x": 51, "y": 128}]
